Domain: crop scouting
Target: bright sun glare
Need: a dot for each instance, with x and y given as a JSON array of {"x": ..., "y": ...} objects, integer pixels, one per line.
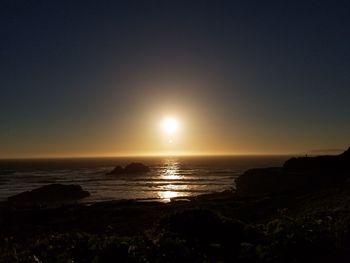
[{"x": 170, "y": 126}]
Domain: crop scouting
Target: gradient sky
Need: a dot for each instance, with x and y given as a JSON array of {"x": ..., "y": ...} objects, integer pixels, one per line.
[{"x": 97, "y": 77}]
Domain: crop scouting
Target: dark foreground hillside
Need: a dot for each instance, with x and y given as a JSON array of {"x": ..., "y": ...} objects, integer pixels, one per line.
[{"x": 296, "y": 226}]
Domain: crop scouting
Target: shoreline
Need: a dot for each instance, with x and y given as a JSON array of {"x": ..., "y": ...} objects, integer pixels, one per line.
[
  {"x": 285, "y": 214},
  {"x": 130, "y": 222},
  {"x": 5, "y": 203}
]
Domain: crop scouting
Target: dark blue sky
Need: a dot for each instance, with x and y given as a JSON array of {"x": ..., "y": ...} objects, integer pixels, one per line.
[{"x": 94, "y": 77}]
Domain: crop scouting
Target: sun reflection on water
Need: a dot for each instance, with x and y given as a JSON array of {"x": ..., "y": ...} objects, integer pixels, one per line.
[
  {"x": 167, "y": 195},
  {"x": 171, "y": 173}
]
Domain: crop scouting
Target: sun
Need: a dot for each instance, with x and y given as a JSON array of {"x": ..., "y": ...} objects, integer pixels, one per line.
[{"x": 170, "y": 125}]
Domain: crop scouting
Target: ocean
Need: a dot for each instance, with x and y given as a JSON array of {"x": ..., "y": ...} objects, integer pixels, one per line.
[{"x": 169, "y": 176}]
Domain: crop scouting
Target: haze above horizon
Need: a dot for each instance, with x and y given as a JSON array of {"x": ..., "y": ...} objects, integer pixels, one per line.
[{"x": 147, "y": 78}]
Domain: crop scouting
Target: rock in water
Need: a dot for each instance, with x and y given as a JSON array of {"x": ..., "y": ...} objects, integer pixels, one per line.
[
  {"x": 53, "y": 193},
  {"x": 117, "y": 170},
  {"x": 132, "y": 168},
  {"x": 136, "y": 168}
]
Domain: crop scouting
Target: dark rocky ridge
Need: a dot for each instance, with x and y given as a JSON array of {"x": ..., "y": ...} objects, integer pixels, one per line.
[
  {"x": 296, "y": 175},
  {"x": 321, "y": 165},
  {"x": 132, "y": 168},
  {"x": 50, "y": 194},
  {"x": 312, "y": 226}
]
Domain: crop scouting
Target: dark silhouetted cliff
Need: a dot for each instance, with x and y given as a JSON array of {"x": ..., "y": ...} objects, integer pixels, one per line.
[{"x": 297, "y": 175}]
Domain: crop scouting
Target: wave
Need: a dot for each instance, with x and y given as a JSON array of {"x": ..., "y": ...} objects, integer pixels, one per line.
[{"x": 169, "y": 177}]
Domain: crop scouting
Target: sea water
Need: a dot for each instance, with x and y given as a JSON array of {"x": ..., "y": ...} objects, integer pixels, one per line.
[{"x": 169, "y": 176}]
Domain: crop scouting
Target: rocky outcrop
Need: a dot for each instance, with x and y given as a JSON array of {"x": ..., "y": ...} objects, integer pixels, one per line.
[
  {"x": 53, "y": 193},
  {"x": 297, "y": 175},
  {"x": 132, "y": 168},
  {"x": 136, "y": 168},
  {"x": 336, "y": 166},
  {"x": 117, "y": 170}
]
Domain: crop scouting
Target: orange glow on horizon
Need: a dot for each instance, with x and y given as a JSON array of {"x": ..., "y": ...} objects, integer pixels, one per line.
[{"x": 155, "y": 154}]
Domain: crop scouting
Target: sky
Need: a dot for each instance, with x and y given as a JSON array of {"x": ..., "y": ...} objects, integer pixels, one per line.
[{"x": 96, "y": 78}]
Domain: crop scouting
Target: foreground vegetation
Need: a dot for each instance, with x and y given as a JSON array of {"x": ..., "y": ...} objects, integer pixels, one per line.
[{"x": 312, "y": 227}]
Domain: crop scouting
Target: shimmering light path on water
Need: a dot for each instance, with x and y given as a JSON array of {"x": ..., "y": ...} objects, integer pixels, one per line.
[{"x": 168, "y": 178}]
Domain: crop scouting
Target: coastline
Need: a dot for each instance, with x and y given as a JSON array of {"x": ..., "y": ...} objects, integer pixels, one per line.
[{"x": 304, "y": 225}]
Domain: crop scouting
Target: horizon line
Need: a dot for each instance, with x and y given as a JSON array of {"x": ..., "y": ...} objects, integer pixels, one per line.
[
  {"x": 169, "y": 154},
  {"x": 38, "y": 157}
]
